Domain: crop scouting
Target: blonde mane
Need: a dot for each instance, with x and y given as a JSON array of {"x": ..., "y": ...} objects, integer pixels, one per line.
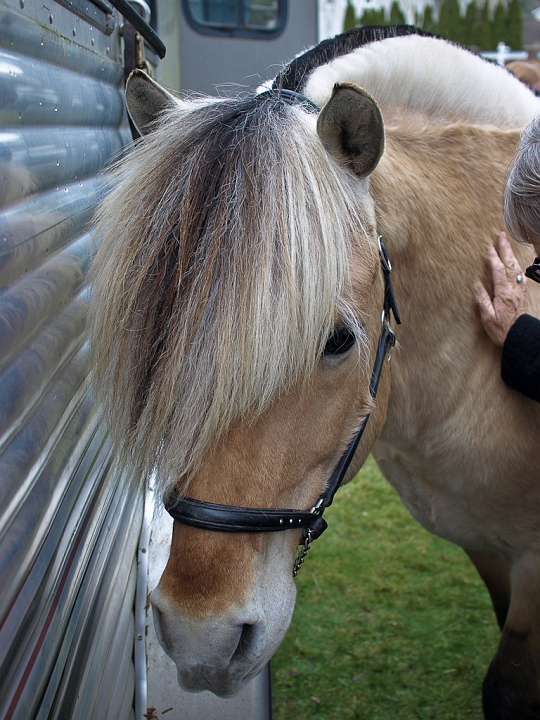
[
  {"x": 223, "y": 267},
  {"x": 432, "y": 78}
]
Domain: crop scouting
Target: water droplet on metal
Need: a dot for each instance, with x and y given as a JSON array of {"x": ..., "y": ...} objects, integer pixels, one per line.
[
  {"x": 22, "y": 3},
  {"x": 92, "y": 41},
  {"x": 56, "y": 108},
  {"x": 51, "y": 19},
  {"x": 74, "y": 32},
  {"x": 57, "y": 165}
]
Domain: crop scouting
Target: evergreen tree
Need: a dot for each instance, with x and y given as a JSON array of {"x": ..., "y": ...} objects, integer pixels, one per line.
[
  {"x": 450, "y": 21},
  {"x": 429, "y": 24},
  {"x": 373, "y": 17},
  {"x": 396, "y": 15},
  {"x": 485, "y": 34},
  {"x": 470, "y": 35},
  {"x": 455, "y": 22},
  {"x": 442, "y": 24},
  {"x": 350, "y": 18},
  {"x": 515, "y": 25},
  {"x": 500, "y": 30},
  {"x": 444, "y": 19}
]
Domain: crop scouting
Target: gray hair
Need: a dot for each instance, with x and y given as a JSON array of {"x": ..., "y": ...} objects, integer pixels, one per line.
[{"x": 522, "y": 196}]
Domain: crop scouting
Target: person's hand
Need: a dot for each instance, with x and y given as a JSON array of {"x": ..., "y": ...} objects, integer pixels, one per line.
[{"x": 509, "y": 286}]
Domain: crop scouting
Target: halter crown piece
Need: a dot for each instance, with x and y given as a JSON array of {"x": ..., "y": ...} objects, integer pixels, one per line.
[
  {"x": 236, "y": 519},
  {"x": 290, "y": 97}
]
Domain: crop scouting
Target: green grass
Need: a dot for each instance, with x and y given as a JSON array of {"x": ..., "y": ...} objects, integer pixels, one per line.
[{"x": 391, "y": 623}]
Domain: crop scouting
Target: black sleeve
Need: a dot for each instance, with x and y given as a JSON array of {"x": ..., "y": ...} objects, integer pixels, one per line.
[{"x": 521, "y": 357}]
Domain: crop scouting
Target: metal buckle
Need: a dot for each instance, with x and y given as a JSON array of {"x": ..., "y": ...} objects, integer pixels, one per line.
[{"x": 318, "y": 505}]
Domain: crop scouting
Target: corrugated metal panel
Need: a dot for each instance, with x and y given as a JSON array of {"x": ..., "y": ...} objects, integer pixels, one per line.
[{"x": 68, "y": 526}]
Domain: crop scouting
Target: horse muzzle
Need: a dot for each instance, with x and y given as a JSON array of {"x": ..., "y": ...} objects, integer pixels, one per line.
[
  {"x": 222, "y": 652},
  {"x": 219, "y": 653}
]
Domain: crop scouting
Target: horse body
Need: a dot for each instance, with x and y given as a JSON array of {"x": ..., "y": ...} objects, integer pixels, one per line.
[
  {"x": 457, "y": 474},
  {"x": 459, "y": 446}
]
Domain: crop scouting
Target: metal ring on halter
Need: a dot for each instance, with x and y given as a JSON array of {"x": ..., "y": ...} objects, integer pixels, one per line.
[{"x": 519, "y": 279}]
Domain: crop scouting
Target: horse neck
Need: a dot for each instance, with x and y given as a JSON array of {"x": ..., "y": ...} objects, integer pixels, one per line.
[
  {"x": 430, "y": 77},
  {"x": 438, "y": 191},
  {"x": 438, "y": 199},
  {"x": 438, "y": 202}
]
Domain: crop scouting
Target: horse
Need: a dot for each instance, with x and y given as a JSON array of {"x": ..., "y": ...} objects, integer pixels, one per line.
[{"x": 236, "y": 319}]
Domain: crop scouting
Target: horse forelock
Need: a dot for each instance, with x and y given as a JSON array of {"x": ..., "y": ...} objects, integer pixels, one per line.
[
  {"x": 222, "y": 269},
  {"x": 406, "y": 69}
]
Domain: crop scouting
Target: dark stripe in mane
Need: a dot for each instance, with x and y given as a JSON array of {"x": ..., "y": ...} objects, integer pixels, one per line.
[{"x": 295, "y": 75}]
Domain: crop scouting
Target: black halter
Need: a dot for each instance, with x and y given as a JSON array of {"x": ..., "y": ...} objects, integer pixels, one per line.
[
  {"x": 236, "y": 519},
  {"x": 232, "y": 518},
  {"x": 289, "y": 97}
]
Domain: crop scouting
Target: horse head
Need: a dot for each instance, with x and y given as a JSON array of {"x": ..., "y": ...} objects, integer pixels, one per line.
[{"x": 237, "y": 307}]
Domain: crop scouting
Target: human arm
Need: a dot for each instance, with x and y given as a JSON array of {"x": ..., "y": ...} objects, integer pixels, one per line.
[{"x": 520, "y": 366}]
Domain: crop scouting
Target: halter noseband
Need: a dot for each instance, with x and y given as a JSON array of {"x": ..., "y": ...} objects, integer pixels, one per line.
[{"x": 236, "y": 519}]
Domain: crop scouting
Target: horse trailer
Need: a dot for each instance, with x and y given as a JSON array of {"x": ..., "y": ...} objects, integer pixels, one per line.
[{"x": 74, "y": 532}]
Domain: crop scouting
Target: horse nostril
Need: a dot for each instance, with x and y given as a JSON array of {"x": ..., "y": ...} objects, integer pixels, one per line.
[{"x": 246, "y": 641}]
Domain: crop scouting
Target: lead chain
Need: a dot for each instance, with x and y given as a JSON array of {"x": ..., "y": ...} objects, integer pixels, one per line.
[{"x": 303, "y": 551}]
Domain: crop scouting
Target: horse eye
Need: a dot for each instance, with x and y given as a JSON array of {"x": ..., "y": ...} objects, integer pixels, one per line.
[{"x": 340, "y": 341}]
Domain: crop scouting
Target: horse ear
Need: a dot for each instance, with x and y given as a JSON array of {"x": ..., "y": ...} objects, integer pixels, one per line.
[
  {"x": 351, "y": 128},
  {"x": 146, "y": 100}
]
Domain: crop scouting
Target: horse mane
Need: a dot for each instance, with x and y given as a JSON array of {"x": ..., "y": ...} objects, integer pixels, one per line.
[
  {"x": 296, "y": 73},
  {"x": 223, "y": 267},
  {"x": 407, "y": 70}
]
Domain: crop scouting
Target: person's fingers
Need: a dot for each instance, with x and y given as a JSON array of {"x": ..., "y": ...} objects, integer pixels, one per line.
[
  {"x": 508, "y": 303},
  {"x": 498, "y": 270},
  {"x": 484, "y": 302},
  {"x": 507, "y": 256}
]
